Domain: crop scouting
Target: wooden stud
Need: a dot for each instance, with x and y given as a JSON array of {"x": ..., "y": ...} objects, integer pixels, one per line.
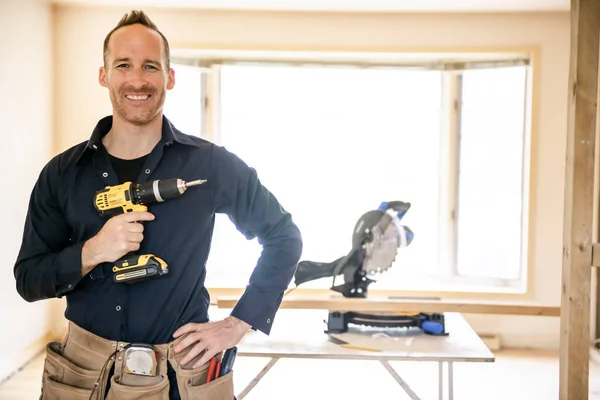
[{"x": 579, "y": 196}]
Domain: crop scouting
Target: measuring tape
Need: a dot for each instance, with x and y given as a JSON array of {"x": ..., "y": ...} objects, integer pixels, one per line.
[{"x": 140, "y": 360}]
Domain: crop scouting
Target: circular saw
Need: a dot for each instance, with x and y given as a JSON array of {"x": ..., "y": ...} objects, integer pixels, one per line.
[{"x": 376, "y": 237}]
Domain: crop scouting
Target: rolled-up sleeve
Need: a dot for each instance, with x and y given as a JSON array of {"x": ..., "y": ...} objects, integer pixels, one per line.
[
  {"x": 48, "y": 264},
  {"x": 256, "y": 213}
]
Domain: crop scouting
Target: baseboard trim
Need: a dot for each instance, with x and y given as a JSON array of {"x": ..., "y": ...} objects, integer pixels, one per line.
[{"x": 25, "y": 356}]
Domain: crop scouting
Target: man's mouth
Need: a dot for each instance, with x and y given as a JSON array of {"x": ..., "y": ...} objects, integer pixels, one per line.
[{"x": 138, "y": 97}]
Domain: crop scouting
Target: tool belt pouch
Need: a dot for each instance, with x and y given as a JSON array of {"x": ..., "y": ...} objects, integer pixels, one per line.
[
  {"x": 128, "y": 384},
  {"x": 65, "y": 379},
  {"x": 138, "y": 390},
  {"x": 192, "y": 382}
]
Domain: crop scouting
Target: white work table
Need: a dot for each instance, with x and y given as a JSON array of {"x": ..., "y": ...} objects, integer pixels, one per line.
[{"x": 300, "y": 334}]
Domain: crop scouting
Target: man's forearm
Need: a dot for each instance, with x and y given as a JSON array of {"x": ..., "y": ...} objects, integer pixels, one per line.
[
  {"x": 49, "y": 263},
  {"x": 43, "y": 276},
  {"x": 89, "y": 257},
  {"x": 270, "y": 278}
]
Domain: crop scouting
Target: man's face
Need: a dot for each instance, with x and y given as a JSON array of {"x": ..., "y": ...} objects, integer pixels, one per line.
[{"x": 135, "y": 74}]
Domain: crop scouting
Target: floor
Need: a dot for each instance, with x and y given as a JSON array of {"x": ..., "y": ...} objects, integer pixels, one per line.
[{"x": 515, "y": 375}]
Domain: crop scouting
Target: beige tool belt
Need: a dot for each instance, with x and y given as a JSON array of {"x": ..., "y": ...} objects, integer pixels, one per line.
[{"x": 78, "y": 369}]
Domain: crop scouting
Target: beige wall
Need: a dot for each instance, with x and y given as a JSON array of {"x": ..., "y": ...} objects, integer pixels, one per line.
[
  {"x": 26, "y": 113},
  {"x": 80, "y": 101}
]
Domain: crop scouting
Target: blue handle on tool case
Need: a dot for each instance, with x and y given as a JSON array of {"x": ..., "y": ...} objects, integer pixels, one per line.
[{"x": 432, "y": 327}]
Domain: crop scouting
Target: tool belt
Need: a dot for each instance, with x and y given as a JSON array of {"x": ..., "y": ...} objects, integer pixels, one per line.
[{"x": 78, "y": 368}]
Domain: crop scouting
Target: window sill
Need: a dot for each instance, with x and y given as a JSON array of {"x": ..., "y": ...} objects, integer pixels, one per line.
[
  {"x": 402, "y": 305},
  {"x": 408, "y": 288}
]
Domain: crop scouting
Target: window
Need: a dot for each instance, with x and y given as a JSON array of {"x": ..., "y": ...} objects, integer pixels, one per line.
[
  {"x": 333, "y": 144},
  {"x": 490, "y": 184},
  {"x": 334, "y": 141},
  {"x": 184, "y": 104}
]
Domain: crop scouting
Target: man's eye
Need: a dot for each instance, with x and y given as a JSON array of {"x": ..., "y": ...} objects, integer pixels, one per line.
[
  {"x": 151, "y": 66},
  {"x": 122, "y": 66}
]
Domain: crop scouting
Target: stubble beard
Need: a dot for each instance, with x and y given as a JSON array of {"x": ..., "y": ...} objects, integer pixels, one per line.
[{"x": 138, "y": 115}]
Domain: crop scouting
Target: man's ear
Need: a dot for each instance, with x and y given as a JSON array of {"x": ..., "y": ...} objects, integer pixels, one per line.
[
  {"x": 102, "y": 77},
  {"x": 171, "y": 79}
]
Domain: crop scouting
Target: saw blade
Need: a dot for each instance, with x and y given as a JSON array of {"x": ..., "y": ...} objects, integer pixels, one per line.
[
  {"x": 377, "y": 233},
  {"x": 381, "y": 251}
]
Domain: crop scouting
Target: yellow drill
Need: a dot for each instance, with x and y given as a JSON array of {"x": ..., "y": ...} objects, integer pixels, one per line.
[{"x": 129, "y": 197}]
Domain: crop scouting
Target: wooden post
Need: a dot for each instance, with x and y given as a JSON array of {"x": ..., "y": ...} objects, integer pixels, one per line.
[{"x": 579, "y": 197}]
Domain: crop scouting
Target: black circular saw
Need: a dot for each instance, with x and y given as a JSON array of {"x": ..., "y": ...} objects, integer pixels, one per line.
[{"x": 376, "y": 238}]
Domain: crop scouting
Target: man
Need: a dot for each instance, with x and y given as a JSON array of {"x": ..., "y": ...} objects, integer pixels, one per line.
[{"x": 68, "y": 249}]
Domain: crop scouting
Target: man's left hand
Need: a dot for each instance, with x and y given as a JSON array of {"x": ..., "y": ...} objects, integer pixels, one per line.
[{"x": 210, "y": 338}]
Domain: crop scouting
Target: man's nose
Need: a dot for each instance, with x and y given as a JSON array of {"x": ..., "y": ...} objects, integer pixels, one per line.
[{"x": 137, "y": 77}]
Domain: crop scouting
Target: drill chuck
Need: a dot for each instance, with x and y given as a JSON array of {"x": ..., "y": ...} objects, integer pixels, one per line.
[{"x": 160, "y": 190}]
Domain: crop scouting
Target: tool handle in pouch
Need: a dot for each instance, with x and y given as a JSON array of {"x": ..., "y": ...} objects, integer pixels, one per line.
[
  {"x": 134, "y": 268},
  {"x": 227, "y": 361}
]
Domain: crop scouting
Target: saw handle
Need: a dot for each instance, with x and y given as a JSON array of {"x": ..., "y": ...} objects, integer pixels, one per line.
[{"x": 311, "y": 270}]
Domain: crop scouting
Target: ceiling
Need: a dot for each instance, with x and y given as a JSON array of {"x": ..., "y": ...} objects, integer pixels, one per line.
[{"x": 342, "y": 5}]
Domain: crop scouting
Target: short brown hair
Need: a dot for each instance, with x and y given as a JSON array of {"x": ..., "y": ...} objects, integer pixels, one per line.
[{"x": 138, "y": 17}]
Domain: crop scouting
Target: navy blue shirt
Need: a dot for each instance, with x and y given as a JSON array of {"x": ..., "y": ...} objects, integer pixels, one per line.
[{"x": 62, "y": 216}]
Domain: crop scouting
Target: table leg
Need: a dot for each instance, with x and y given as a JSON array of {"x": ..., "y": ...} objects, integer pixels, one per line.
[
  {"x": 441, "y": 380},
  {"x": 450, "y": 381},
  {"x": 258, "y": 377},
  {"x": 401, "y": 381}
]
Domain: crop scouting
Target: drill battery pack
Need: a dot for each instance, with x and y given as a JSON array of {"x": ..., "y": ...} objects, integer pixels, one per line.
[{"x": 136, "y": 268}]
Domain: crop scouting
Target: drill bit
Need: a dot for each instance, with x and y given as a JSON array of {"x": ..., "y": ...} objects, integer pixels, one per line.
[
  {"x": 194, "y": 183},
  {"x": 182, "y": 185}
]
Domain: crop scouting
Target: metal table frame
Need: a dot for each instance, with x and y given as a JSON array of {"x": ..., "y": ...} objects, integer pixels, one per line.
[{"x": 387, "y": 366}]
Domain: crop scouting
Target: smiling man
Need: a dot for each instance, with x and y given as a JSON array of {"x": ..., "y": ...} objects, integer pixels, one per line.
[{"x": 150, "y": 339}]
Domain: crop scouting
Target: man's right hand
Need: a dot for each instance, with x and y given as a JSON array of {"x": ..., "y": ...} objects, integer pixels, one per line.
[{"x": 119, "y": 236}]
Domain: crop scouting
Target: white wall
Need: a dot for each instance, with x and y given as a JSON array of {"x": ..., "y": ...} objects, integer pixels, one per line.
[
  {"x": 81, "y": 102},
  {"x": 25, "y": 111}
]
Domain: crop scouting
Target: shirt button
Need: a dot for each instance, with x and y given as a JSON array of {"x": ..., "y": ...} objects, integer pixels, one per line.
[
  {"x": 70, "y": 286},
  {"x": 268, "y": 320},
  {"x": 95, "y": 147},
  {"x": 105, "y": 174},
  {"x": 147, "y": 171},
  {"x": 118, "y": 308}
]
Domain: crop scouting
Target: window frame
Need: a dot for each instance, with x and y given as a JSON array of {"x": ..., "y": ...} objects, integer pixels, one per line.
[{"x": 452, "y": 61}]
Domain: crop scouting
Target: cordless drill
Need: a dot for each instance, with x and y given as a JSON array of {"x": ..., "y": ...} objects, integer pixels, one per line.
[{"x": 129, "y": 197}]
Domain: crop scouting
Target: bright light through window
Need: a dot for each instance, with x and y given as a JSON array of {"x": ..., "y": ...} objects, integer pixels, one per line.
[
  {"x": 491, "y": 173},
  {"x": 332, "y": 144},
  {"x": 184, "y": 104}
]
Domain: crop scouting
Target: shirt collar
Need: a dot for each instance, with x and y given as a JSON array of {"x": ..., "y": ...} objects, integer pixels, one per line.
[{"x": 170, "y": 134}]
